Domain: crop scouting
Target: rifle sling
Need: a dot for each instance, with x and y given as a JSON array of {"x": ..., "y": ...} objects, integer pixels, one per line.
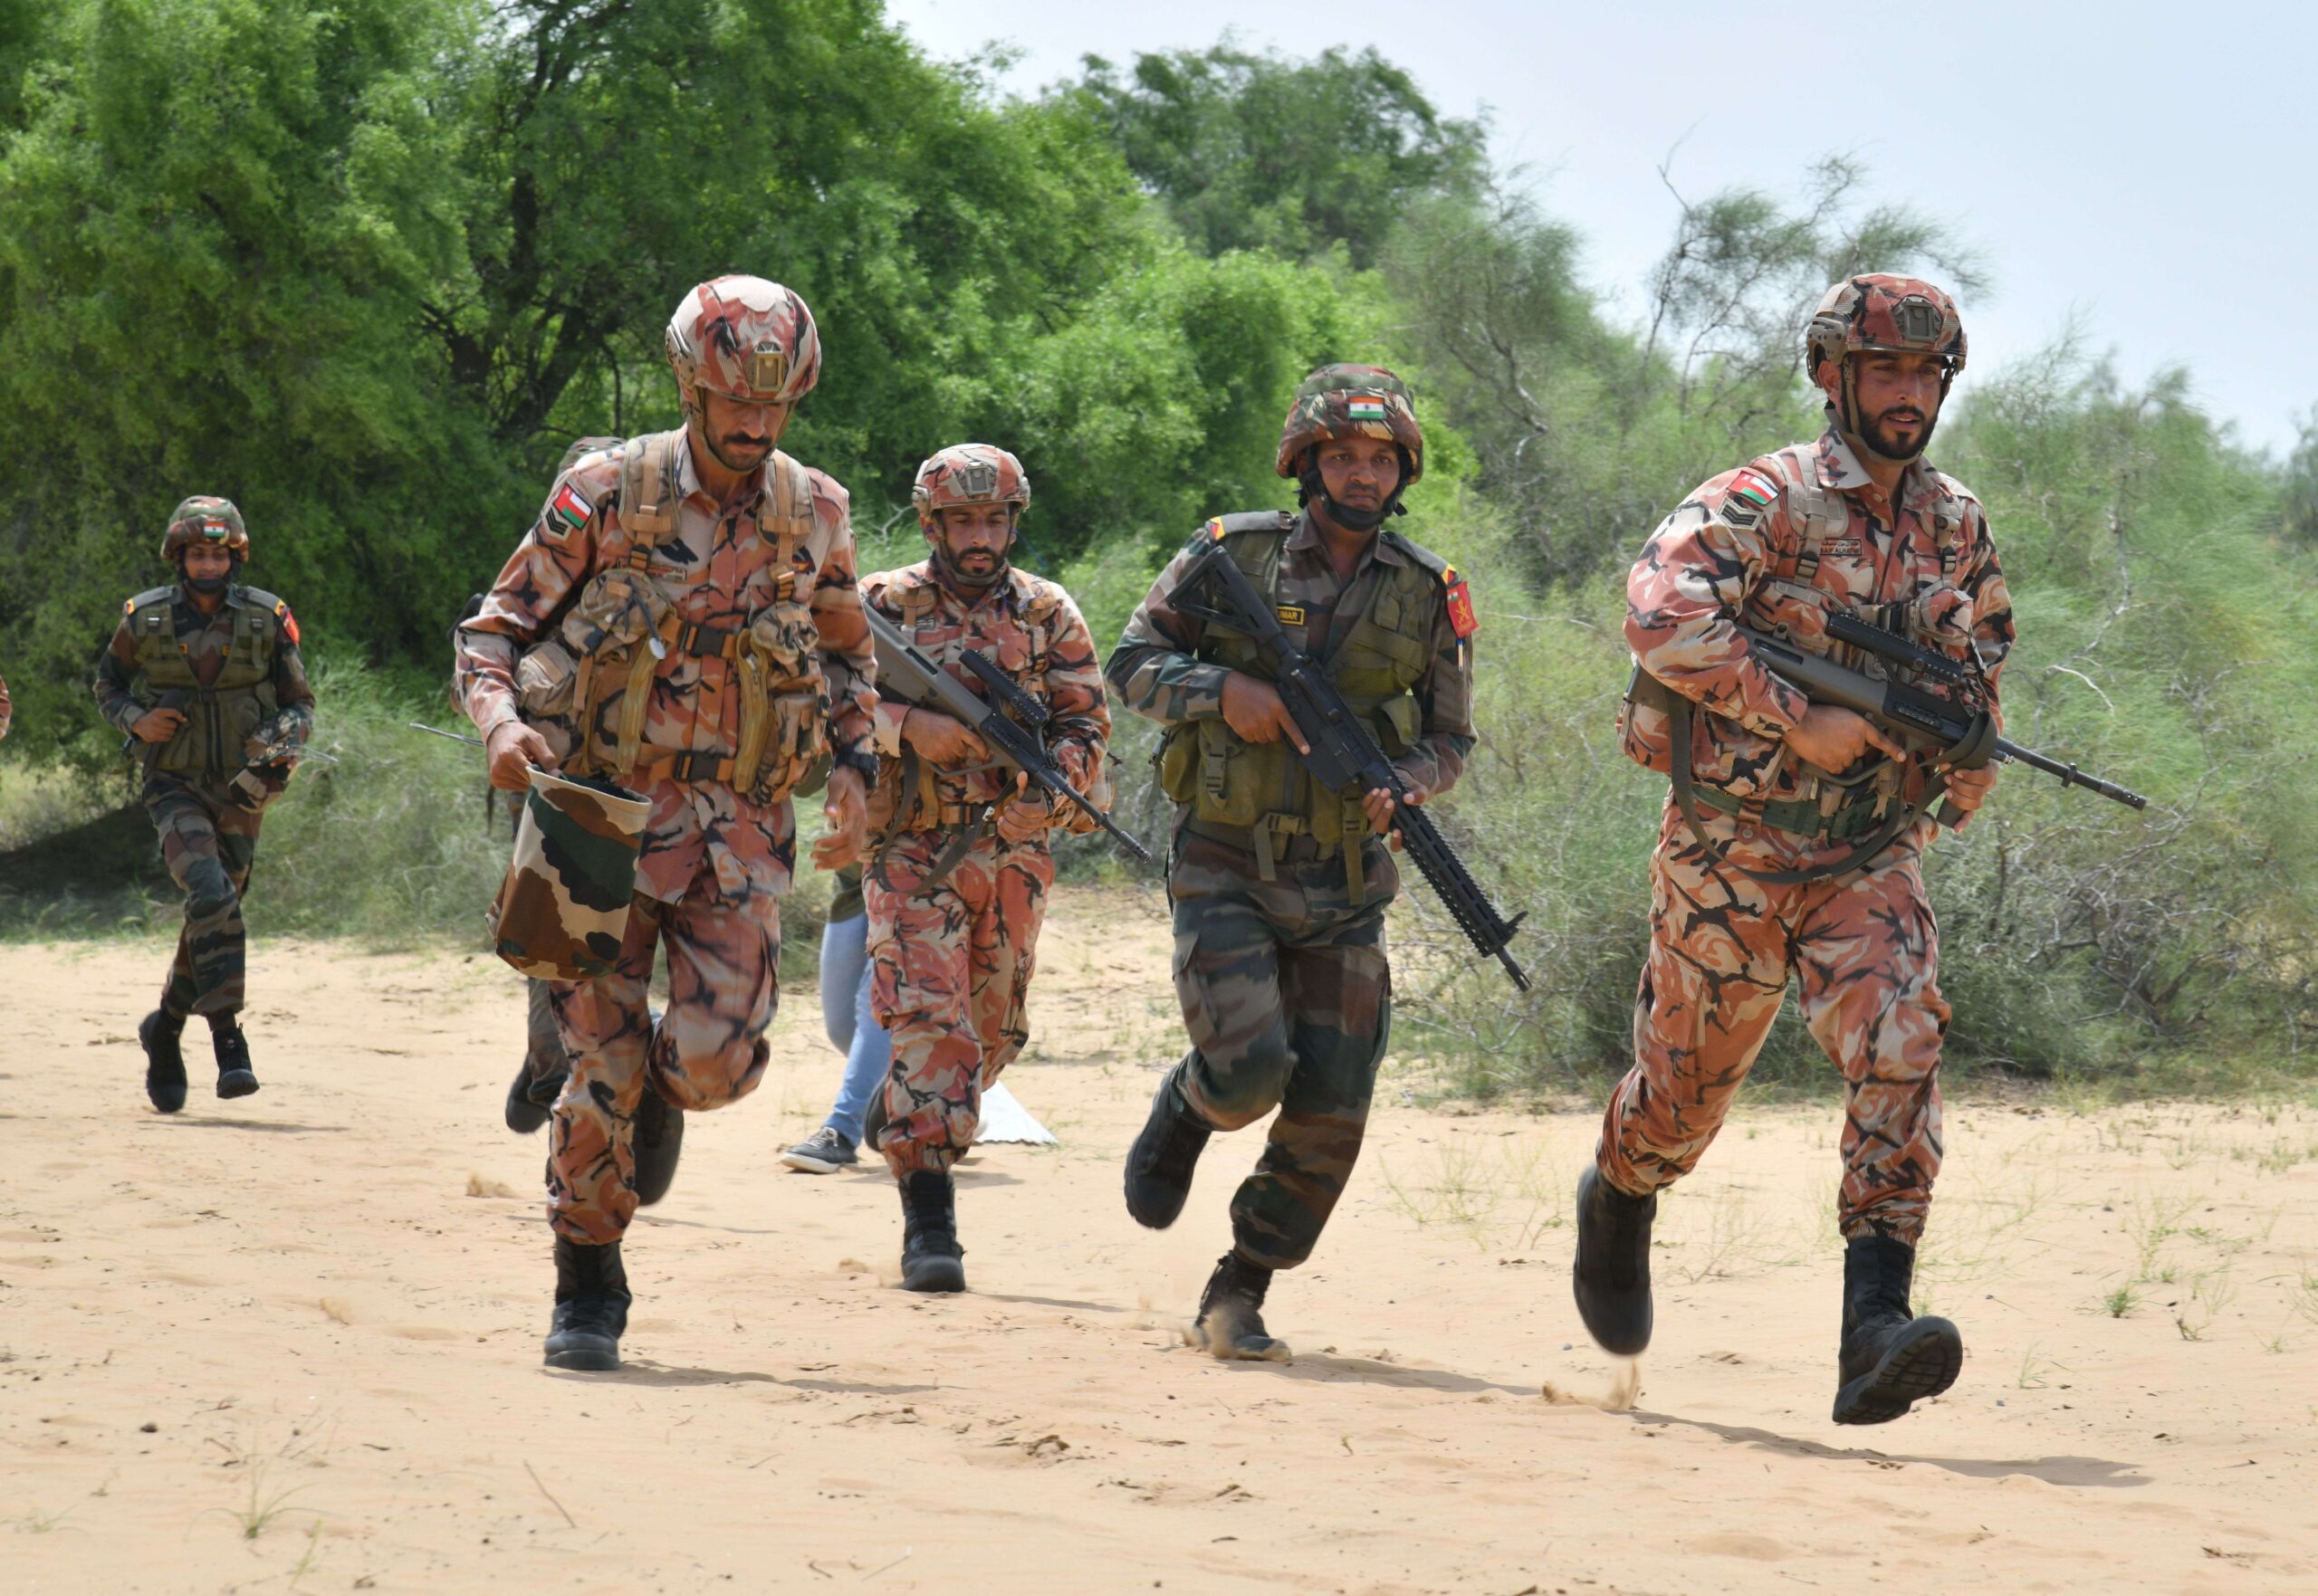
[{"x": 1686, "y": 799}]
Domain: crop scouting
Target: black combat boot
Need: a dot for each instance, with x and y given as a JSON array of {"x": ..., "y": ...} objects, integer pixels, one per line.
[
  {"x": 539, "y": 1080},
  {"x": 162, "y": 1036},
  {"x": 1890, "y": 1358},
  {"x": 931, "y": 1259},
  {"x": 591, "y": 1299},
  {"x": 659, "y": 1139},
  {"x": 1159, "y": 1165},
  {"x": 1230, "y": 1322},
  {"x": 1611, "y": 1277},
  {"x": 236, "y": 1078}
]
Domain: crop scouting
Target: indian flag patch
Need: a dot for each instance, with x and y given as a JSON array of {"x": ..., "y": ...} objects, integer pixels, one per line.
[
  {"x": 566, "y": 512},
  {"x": 1366, "y": 407},
  {"x": 1750, "y": 487}
]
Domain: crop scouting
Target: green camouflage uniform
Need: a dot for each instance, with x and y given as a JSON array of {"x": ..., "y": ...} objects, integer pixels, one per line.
[
  {"x": 1280, "y": 955},
  {"x": 208, "y": 829}
]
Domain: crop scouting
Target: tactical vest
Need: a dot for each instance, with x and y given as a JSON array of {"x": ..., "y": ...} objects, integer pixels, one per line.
[
  {"x": 220, "y": 717},
  {"x": 1264, "y": 786},
  {"x": 1791, "y": 603},
  {"x": 588, "y": 687},
  {"x": 910, "y": 794}
]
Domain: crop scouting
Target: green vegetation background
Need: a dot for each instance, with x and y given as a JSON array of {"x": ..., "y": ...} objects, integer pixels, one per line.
[{"x": 367, "y": 269}]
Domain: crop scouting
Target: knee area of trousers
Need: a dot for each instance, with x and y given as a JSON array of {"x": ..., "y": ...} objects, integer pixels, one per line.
[
  {"x": 712, "y": 1079},
  {"x": 1240, "y": 1106},
  {"x": 208, "y": 890}
]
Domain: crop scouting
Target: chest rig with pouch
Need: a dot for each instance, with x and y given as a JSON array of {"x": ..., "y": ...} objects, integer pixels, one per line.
[
  {"x": 1263, "y": 788},
  {"x": 911, "y": 793},
  {"x": 1657, "y": 725},
  {"x": 587, "y": 686},
  {"x": 209, "y": 746}
]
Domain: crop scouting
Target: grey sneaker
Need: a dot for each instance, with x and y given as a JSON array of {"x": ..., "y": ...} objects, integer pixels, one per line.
[{"x": 824, "y": 1152}]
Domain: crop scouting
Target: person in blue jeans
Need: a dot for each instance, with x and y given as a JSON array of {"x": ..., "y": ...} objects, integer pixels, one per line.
[{"x": 853, "y": 1030}]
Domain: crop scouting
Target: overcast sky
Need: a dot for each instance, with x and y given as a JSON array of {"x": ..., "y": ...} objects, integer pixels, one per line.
[{"x": 2150, "y": 168}]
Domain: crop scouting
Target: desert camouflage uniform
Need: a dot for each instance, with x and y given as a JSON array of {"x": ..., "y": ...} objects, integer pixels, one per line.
[
  {"x": 1284, "y": 983},
  {"x": 952, "y": 965},
  {"x": 714, "y": 863},
  {"x": 208, "y": 832},
  {"x": 1723, "y": 944}
]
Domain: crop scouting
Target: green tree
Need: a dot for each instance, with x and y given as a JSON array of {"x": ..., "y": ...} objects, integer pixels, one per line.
[
  {"x": 221, "y": 218},
  {"x": 2301, "y": 507},
  {"x": 1265, "y": 152},
  {"x": 624, "y": 151}
]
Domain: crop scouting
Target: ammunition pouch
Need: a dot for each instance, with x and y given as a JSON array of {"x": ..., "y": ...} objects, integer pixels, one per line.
[
  {"x": 220, "y": 718},
  {"x": 587, "y": 688},
  {"x": 1263, "y": 791}
]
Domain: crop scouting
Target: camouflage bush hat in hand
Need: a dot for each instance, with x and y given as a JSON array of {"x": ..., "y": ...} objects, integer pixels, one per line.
[
  {"x": 1350, "y": 402},
  {"x": 969, "y": 473},
  {"x": 206, "y": 518},
  {"x": 746, "y": 339}
]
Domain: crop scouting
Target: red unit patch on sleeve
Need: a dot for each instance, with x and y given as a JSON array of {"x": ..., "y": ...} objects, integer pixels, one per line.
[
  {"x": 1461, "y": 619},
  {"x": 289, "y": 622}
]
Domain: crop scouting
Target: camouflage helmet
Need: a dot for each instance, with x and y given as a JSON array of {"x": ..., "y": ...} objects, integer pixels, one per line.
[
  {"x": 1881, "y": 311},
  {"x": 746, "y": 339},
  {"x": 206, "y": 518},
  {"x": 969, "y": 473},
  {"x": 1350, "y": 402}
]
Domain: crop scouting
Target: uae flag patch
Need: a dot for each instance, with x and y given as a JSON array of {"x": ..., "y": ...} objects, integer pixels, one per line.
[
  {"x": 1749, "y": 487},
  {"x": 1461, "y": 619},
  {"x": 1366, "y": 407},
  {"x": 566, "y": 512}
]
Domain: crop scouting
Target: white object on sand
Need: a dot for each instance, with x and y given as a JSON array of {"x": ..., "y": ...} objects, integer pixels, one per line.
[{"x": 1004, "y": 1119}]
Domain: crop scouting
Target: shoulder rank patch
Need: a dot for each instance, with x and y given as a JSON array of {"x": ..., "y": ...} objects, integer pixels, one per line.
[
  {"x": 1461, "y": 619},
  {"x": 289, "y": 622},
  {"x": 568, "y": 512}
]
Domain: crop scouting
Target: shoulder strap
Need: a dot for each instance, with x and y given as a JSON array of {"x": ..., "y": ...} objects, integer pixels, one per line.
[
  {"x": 1251, "y": 520},
  {"x": 647, "y": 487},
  {"x": 1419, "y": 555}
]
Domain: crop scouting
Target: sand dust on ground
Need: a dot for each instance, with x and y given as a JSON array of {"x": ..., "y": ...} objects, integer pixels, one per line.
[{"x": 291, "y": 1343}]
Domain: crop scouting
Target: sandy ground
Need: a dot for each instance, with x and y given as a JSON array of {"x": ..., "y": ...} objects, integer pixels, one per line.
[{"x": 292, "y": 1344}]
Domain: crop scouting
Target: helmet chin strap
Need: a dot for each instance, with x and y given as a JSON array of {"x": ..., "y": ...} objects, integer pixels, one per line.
[{"x": 1310, "y": 485}]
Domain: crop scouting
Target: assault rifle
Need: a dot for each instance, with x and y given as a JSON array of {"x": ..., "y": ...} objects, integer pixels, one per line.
[
  {"x": 1344, "y": 753},
  {"x": 1957, "y": 734},
  {"x": 1008, "y": 720}
]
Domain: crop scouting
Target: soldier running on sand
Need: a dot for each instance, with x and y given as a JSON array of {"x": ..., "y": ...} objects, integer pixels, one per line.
[
  {"x": 957, "y": 881},
  {"x": 1279, "y": 886},
  {"x": 1772, "y": 888},
  {"x": 683, "y": 618},
  {"x": 205, "y": 675}
]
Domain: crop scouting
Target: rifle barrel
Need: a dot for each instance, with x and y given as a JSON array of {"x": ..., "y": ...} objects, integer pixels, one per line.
[{"x": 2070, "y": 776}]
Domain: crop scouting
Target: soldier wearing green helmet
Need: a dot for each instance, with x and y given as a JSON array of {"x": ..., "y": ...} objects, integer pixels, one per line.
[
  {"x": 204, "y": 679},
  {"x": 1278, "y": 885}
]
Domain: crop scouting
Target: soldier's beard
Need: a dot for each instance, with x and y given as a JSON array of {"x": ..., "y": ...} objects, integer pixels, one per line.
[
  {"x": 739, "y": 454},
  {"x": 1882, "y": 442},
  {"x": 975, "y": 581},
  {"x": 207, "y": 586}
]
